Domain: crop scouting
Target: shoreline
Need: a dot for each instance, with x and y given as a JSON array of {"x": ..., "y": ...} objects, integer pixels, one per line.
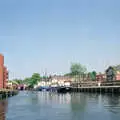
[{"x": 5, "y": 93}]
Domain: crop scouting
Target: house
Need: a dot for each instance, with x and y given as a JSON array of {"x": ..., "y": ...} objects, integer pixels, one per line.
[{"x": 112, "y": 73}]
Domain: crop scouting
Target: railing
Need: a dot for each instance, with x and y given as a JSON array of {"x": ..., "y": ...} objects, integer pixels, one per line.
[
  {"x": 111, "y": 83},
  {"x": 84, "y": 84},
  {"x": 95, "y": 83}
]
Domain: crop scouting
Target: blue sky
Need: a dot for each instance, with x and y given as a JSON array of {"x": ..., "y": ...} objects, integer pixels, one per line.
[{"x": 50, "y": 34}]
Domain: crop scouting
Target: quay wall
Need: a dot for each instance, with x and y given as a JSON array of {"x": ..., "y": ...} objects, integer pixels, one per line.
[
  {"x": 96, "y": 89},
  {"x": 7, "y": 93}
]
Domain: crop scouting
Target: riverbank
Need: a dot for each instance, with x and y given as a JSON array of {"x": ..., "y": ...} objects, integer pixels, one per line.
[{"x": 5, "y": 93}]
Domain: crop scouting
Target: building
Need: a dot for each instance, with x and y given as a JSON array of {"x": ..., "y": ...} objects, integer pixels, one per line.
[
  {"x": 3, "y": 73},
  {"x": 101, "y": 77},
  {"x": 118, "y": 76},
  {"x": 117, "y": 72},
  {"x": 113, "y": 73},
  {"x": 61, "y": 80}
]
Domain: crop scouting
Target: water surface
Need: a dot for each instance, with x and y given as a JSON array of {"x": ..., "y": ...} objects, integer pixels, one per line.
[{"x": 53, "y": 106}]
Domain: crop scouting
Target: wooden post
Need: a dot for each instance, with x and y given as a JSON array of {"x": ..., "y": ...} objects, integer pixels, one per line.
[{"x": 112, "y": 90}]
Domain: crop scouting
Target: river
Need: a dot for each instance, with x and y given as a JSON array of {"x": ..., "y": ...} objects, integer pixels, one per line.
[{"x": 53, "y": 106}]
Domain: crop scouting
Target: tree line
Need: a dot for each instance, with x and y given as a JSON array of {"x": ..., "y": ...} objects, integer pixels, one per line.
[
  {"x": 78, "y": 69},
  {"x": 75, "y": 69},
  {"x": 29, "y": 81}
]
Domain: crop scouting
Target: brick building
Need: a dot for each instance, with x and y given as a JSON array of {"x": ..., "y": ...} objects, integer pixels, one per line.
[
  {"x": 101, "y": 77},
  {"x": 3, "y": 73}
]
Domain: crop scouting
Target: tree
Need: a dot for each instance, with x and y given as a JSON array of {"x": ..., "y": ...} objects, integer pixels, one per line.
[
  {"x": 27, "y": 81},
  {"x": 67, "y": 74},
  {"x": 110, "y": 73},
  {"x": 116, "y": 68},
  {"x": 31, "y": 81},
  {"x": 93, "y": 75},
  {"x": 19, "y": 81},
  {"x": 13, "y": 82},
  {"x": 77, "y": 69},
  {"x": 35, "y": 78}
]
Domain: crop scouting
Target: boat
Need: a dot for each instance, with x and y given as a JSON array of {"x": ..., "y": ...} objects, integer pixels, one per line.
[{"x": 63, "y": 89}]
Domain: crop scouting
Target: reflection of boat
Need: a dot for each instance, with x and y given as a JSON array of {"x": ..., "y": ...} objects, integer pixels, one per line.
[
  {"x": 53, "y": 89},
  {"x": 44, "y": 88}
]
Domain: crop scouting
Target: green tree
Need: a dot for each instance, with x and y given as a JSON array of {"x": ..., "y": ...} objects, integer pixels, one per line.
[
  {"x": 68, "y": 74},
  {"x": 93, "y": 75},
  {"x": 27, "y": 81},
  {"x": 34, "y": 79},
  {"x": 13, "y": 82},
  {"x": 19, "y": 81},
  {"x": 116, "y": 68},
  {"x": 77, "y": 69},
  {"x": 31, "y": 81}
]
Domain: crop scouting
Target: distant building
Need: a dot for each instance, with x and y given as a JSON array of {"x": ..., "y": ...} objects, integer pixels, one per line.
[
  {"x": 117, "y": 72},
  {"x": 113, "y": 73},
  {"x": 118, "y": 76},
  {"x": 61, "y": 80},
  {"x": 101, "y": 77},
  {"x": 3, "y": 73}
]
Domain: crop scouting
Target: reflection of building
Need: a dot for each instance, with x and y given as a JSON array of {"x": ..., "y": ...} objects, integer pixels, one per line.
[
  {"x": 3, "y": 73},
  {"x": 3, "y": 108}
]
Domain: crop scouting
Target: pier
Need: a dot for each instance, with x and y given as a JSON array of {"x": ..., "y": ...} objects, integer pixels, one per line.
[
  {"x": 96, "y": 89},
  {"x": 7, "y": 93},
  {"x": 91, "y": 87},
  {"x": 104, "y": 87}
]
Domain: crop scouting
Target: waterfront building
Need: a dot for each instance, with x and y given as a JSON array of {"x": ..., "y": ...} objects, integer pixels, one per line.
[
  {"x": 118, "y": 75},
  {"x": 101, "y": 77},
  {"x": 3, "y": 73},
  {"x": 54, "y": 81},
  {"x": 113, "y": 73},
  {"x": 61, "y": 80}
]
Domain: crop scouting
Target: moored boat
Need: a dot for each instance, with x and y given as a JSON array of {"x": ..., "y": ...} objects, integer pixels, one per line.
[{"x": 63, "y": 89}]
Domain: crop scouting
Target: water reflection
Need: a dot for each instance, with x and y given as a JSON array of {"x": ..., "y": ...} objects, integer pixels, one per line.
[
  {"x": 3, "y": 109},
  {"x": 50, "y": 98},
  {"x": 77, "y": 106},
  {"x": 112, "y": 103}
]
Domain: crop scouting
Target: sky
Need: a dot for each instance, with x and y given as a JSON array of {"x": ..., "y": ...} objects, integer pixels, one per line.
[{"x": 48, "y": 35}]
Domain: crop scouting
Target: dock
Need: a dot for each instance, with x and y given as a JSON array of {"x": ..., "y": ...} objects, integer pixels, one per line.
[
  {"x": 5, "y": 93},
  {"x": 96, "y": 89},
  {"x": 104, "y": 87}
]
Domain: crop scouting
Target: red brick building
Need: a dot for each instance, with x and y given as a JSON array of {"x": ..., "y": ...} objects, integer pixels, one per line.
[
  {"x": 101, "y": 77},
  {"x": 3, "y": 73}
]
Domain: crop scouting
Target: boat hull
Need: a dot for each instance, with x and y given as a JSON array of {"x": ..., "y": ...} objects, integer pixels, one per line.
[{"x": 63, "y": 89}]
